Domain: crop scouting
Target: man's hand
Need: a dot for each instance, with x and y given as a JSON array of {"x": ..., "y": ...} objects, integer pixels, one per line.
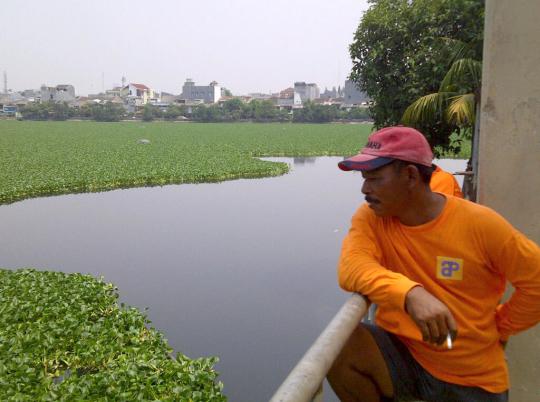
[{"x": 430, "y": 315}]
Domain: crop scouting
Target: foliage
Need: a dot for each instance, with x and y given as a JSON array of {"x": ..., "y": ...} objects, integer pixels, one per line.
[
  {"x": 231, "y": 110},
  {"x": 47, "y": 111},
  {"x": 212, "y": 113},
  {"x": 64, "y": 337},
  {"x": 61, "y": 111},
  {"x": 455, "y": 102},
  {"x": 103, "y": 111},
  {"x": 460, "y": 147},
  {"x": 174, "y": 111},
  {"x": 398, "y": 54},
  {"x": 235, "y": 109},
  {"x": 148, "y": 114},
  {"x": 314, "y": 113},
  {"x": 317, "y": 113},
  {"x": 262, "y": 111},
  {"x": 45, "y": 158},
  {"x": 355, "y": 113},
  {"x": 265, "y": 111}
]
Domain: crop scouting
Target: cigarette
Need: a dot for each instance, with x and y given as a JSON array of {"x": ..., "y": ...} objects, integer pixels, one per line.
[{"x": 449, "y": 341}]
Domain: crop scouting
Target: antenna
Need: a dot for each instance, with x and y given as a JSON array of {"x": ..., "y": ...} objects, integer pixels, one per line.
[
  {"x": 5, "y": 83},
  {"x": 123, "y": 81}
]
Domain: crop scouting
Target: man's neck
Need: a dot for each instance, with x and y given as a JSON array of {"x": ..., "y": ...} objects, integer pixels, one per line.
[{"x": 423, "y": 209}]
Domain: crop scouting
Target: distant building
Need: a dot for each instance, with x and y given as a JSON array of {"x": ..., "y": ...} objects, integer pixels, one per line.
[
  {"x": 167, "y": 97},
  {"x": 136, "y": 94},
  {"x": 332, "y": 93},
  {"x": 59, "y": 93},
  {"x": 307, "y": 91},
  {"x": 116, "y": 91},
  {"x": 9, "y": 110},
  {"x": 208, "y": 94},
  {"x": 288, "y": 99},
  {"x": 286, "y": 93},
  {"x": 259, "y": 96},
  {"x": 31, "y": 94},
  {"x": 352, "y": 95}
]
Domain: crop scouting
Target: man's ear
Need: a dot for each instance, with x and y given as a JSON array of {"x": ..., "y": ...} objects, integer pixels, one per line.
[{"x": 413, "y": 175}]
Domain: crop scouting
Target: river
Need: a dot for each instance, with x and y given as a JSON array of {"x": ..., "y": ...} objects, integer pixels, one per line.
[{"x": 244, "y": 270}]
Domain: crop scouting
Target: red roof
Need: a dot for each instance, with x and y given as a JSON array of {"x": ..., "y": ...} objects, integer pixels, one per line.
[{"x": 139, "y": 86}]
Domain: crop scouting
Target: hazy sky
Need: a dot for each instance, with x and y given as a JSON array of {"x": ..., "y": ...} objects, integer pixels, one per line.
[{"x": 245, "y": 45}]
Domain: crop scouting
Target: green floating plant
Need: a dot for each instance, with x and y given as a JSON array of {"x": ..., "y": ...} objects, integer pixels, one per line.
[
  {"x": 65, "y": 338},
  {"x": 48, "y": 158}
]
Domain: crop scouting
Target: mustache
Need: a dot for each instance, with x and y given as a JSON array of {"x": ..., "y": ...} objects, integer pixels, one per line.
[{"x": 372, "y": 200}]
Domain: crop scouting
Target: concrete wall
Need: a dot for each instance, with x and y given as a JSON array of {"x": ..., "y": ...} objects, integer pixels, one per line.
[{"x": 509, "y": 160}]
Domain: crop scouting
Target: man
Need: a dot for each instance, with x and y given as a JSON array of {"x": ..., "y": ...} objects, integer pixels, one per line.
[
  {"x": 444, "y": 182},
  {"x": 436, "y": 265}
]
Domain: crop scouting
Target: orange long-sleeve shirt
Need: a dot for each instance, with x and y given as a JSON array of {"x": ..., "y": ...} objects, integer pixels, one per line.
[
  {"x": 444, "y": 182},
  {"x": 463, "y": 257}
]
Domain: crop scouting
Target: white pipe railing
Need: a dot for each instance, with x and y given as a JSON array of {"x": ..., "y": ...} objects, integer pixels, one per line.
[{"x": 304, "y": 383}]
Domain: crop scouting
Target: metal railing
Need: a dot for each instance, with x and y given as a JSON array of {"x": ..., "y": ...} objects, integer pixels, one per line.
[{"x": 304, "y": 383}]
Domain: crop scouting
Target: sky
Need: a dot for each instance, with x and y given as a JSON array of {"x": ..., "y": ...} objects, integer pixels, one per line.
[{"x": 245, "y": 45}]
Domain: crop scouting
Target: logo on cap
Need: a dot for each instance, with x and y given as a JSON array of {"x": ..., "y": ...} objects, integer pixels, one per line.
[{"x": 373, "y": 145}]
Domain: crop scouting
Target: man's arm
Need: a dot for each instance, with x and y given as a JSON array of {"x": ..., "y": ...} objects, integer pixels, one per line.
[
  {"x": 360, "y": 269},
  {"x": 519, "y": 261}
]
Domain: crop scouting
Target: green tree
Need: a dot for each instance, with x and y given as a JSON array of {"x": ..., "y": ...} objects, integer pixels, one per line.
[
  {"x": 455, "y": 102},
  {"x": 264, "y": 110},
  {"x": 212, "y": 113},
  {"x": 354, "y": 113},
  {"x": 85, "y": 111},
  {"x": 233, "y": 109},
  {"x": 148, "y": 113},
  {"x": 107, "y": 112},
  {"x": 60, "y": 111},
  {"x": 47, "y": 111},
  {"x": 33, "y": 111},
  {"x": 174, "y": 111},
  {"x": 398, "y": 54},
  {"x": 314, "y": 113}
]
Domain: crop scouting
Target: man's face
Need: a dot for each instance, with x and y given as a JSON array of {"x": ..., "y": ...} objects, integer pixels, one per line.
[{"x": 386, "y": 190}]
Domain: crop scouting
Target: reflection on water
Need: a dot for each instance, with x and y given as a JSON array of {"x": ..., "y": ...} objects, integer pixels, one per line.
[
  {"x": 303, "y": 160},
  {"x": 244, "y": 270}
]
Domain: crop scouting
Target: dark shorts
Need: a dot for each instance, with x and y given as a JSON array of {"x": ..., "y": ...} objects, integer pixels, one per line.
[{"x": 411, "y": 382}]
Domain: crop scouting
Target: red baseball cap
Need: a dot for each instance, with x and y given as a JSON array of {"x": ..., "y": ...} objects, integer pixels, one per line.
[{"x": 388, "y": 144}]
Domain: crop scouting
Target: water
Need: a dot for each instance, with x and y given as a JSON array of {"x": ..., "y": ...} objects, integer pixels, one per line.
[{"x": 245, "y": 270}]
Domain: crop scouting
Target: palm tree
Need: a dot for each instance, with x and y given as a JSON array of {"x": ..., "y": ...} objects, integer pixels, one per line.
[{"x": 456, "y": 103}]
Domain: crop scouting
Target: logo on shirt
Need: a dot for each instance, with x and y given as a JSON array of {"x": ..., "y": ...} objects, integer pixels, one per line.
[{"x": 450, "y": 268}]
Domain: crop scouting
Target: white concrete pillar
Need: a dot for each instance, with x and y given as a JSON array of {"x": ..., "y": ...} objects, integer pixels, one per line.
[{"x": 509, "y": 160}]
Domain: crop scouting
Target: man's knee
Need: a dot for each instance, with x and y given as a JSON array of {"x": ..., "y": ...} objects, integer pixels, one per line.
[
  {"x": 361, "y": 359},
  {"x": 352, "y": 353}
]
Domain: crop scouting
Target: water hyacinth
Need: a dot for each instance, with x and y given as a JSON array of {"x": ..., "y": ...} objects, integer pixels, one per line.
[
  {"x": 64, "y": 337},
  {"x": 48, "y": 158}
]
